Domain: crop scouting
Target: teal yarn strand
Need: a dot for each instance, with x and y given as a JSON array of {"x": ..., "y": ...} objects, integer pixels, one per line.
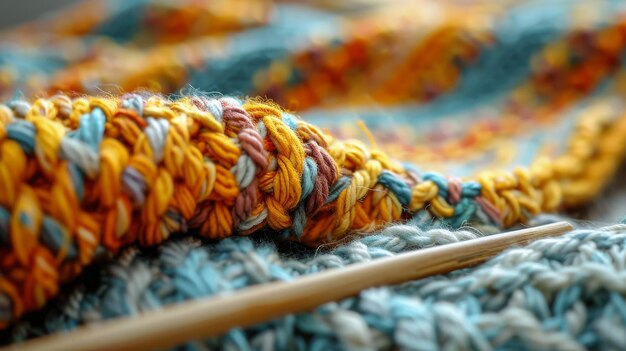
[{"x": 564, "y": 293}]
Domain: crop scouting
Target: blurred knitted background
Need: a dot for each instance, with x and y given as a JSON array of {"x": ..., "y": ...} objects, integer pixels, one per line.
[
  {"x": 610, "y": 207},
  {"x": 16, "y": 12}
]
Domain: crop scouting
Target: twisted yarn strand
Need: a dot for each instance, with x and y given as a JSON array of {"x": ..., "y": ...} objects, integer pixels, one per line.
[{"x": 86, "y": 176}]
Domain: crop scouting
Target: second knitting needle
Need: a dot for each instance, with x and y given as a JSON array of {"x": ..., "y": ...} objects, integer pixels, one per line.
[{"x": 208, "y": 317}]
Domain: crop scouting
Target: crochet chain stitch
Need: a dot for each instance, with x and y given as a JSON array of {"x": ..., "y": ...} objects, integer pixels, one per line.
[{"x": 88, "y": 175}]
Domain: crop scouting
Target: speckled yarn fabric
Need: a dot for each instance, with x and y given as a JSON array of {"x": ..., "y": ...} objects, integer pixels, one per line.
[{"x": 156, "y": 151}]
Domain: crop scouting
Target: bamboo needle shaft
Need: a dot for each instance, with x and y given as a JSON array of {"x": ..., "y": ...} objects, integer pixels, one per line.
[{"x": 203, "y": 318}]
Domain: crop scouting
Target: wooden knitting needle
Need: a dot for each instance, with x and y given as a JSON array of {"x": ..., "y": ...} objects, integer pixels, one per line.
[{"x": 207, "y": 317}]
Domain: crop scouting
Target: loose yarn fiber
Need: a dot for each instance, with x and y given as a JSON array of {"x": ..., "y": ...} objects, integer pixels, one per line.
[
  {"x": 88, "y": 175},
  {"x": 564, "y": 293}
]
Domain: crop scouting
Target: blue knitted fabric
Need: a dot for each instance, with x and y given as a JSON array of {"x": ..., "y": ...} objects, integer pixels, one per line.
[{"x": 564, "y": 293}]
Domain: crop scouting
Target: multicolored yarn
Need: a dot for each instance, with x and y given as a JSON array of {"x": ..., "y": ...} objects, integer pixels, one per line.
[
  {"x": 320, "y": 56},
  {"x": 88, "y": 175},
  {"x": 564, "y": 293},
  {"x": 517, "y": 106}
]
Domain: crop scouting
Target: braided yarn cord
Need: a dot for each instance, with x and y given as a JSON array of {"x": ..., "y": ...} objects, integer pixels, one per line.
[{"x": 85, "y": 176}]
